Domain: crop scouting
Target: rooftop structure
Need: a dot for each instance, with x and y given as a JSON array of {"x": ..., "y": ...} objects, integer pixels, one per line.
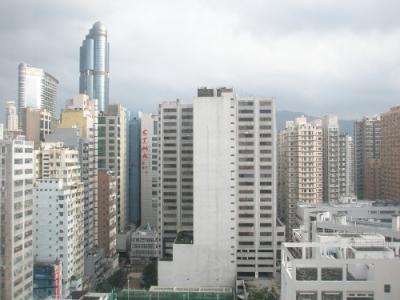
[
  {"x": 144, "y": 244},
  {"x": 359, "y": 217},
  {"x": 341, "y": 266}
]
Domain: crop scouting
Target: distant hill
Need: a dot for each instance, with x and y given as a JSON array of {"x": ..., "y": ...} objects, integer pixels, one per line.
[{"x": 286, "y": 115}]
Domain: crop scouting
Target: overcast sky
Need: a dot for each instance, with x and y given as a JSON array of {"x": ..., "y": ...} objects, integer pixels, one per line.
[{"x": 315, "y": 56}]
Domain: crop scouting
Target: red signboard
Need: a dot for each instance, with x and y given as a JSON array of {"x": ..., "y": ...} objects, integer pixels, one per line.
[
  {"x": 144, "y": 148},
  {"x": 56, "y": 281}
]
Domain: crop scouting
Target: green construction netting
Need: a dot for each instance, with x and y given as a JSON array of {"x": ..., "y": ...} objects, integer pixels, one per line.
[{"x": 145, "y": 295}]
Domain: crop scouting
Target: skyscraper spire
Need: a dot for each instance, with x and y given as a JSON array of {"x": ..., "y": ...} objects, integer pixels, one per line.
[{"x": 94, "y": 65}]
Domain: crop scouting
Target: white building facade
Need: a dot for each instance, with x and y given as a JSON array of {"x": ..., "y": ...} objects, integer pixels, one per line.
[
  {"x": 330, "y": 150},
  {"x": 11, "y": 116},
  {"x": 341, "y": 267},
  {"x": 16, "y": 177},
  {"x": 235, "y": 232},
  {"x": 59, "y": 212},
  {"x": 346, "y": 165},
  {"x": 175, "y": 155},
  {"x": 149, "y": 169},
  {"x": 37, "y": 89}
]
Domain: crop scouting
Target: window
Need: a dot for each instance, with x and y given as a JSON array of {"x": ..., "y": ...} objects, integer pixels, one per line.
[
  {"x": 387, "y": 288},
  {"x": 332, "y": 296},
  {"x": 306, "y": 296},
  {"x": 306, "y": 274},
  {"x": 331, "y": 274},
  {"x": 102, "y": 131}
]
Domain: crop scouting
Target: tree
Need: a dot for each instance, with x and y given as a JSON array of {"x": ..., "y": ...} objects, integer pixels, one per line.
[
  {"x": 263, "y": 294},
  {"x": 149, "y": 275},
  {"x": 116, "y": 281}
]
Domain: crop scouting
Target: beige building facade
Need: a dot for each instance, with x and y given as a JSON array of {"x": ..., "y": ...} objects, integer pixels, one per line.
[
  {"x": 113, "y": 155},
  {"x": 300, "y": 167},
  {"x": 390, "y": 154},
  {"x": 107, "y": 228}
]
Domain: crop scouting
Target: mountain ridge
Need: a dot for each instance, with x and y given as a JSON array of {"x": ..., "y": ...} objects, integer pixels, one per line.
[{"x": 287, "y": 115}]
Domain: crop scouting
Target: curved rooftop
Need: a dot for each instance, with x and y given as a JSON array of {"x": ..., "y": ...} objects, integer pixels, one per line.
[{"x": 99, "y": 27}]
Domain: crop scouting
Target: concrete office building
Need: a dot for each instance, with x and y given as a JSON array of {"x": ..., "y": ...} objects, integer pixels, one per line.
[
  {"x": 206, "y": 257},
  {"x": 390, "y": 154},
  {"x": 107, "y": 229},
  {"x": 346, "y": 165},
  {"x": 59, "y": 212},
  {"x": 300, "y": 167},
  {"x": 367, "y": 143},
  {"x": 94, "y": 65},
  {"x": 16, "y": 175},
  {"x": 175, "y": 194},
  {"x": 37, "y": 123},
  {"x": 134, "y": 160},
  {"x": 149, "y": 169},
  {"x": 259, "y": 233},
  {"x": 11, "y": 116},
  {"x": 330, "y": 158},
  {"x": 341, "y": 266},
  {"x": 113, "y": 155},
  {"x": 36, "y": 89},
  {"x": 80, "y": 112},
  {"x": 235, "y": 232}
]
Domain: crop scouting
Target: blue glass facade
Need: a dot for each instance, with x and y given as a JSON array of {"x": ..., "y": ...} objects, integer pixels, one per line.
[
  {"x": 94, "y": 65},
  {"x": 134, "y": 169},
  {"x": 47, "y": 281}
]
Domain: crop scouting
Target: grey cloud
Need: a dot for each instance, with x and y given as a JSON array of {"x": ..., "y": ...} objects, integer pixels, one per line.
[{"x": 314, "y": 56}]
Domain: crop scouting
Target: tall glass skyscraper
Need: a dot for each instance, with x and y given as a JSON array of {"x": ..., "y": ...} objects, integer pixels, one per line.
[
  {"x": 36, "y": 89},
  {"x": 94, "y": 65}
]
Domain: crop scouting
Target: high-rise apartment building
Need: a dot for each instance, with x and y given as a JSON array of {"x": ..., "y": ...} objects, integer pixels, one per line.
[
  {"x": 94, "y": 65},
  {"x": 59, "y": 212},
  {"x": 235, "y": 229},
  {"x": 330, "y": 158},
  {"x": 11, "y": 116},
  {"x": 149, "y": 169},
  {"x": 16, "y": 196},
  {"x": 80, "y": 112},
  {"x": 37, "y": 123},
  {"x": 176, "y": 172},
  {"x": 300, "y": 167},
  {"x": 134, "y": 161},
  {"x": 346, "y": 165},
  {"x": 390, "y": 154},
  {"x": 373, "y": 179},
  {"x": 367, "y": 140},
  {"x": 107, "y": 231},
  {"x": 37, "y": 89},
  {"x": 113, "y": 155}
]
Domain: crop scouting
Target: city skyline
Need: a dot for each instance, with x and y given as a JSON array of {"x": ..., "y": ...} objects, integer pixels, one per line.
[
  {"x": 239, "y": 151},
  {"x": 329, "y": 59}
]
